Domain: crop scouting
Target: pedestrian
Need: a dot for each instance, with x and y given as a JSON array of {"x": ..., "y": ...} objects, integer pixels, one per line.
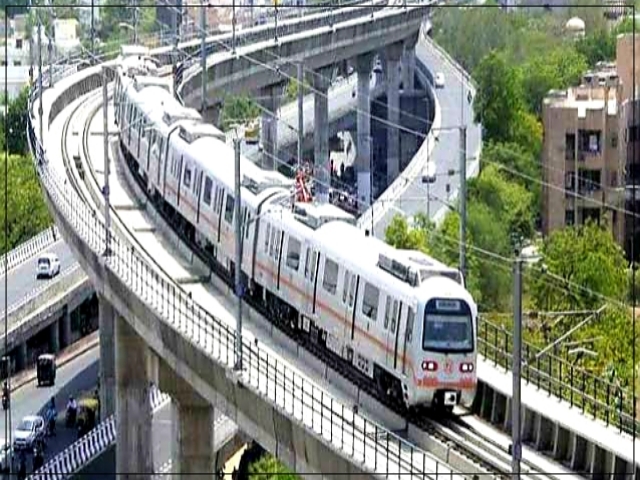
[
  {"x": 22, "y": 467},
  {"x": 38, "y": 460}
]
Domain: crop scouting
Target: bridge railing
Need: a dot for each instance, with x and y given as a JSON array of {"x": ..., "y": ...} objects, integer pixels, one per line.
[
  {"x": 594, "y": 396},
  {"x": 282, "y": 387},
  {"x": 90, "y": 446},
  {"x": 27, "y": 250}
]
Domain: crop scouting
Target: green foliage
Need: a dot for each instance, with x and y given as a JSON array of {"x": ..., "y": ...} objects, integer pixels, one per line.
[
  {"x": 291, "y": 92},
  {"x": 401, "y": 236},
  {"x": 587, "y": 256},
  {"x": 27, "y": 214},
  {"x": 16, "y": 123},
  {"x": 238, "y": 109},
  {"x": 269, "y": 468}
]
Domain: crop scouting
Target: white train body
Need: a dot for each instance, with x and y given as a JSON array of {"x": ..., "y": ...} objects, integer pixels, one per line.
[{"x": 400, "y": 317}]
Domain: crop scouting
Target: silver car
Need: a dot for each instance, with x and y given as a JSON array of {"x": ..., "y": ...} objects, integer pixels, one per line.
[{"x": 29, "y": 430}]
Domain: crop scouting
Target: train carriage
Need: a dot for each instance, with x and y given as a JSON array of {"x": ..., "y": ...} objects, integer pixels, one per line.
[{"x": 401, "y": 318}]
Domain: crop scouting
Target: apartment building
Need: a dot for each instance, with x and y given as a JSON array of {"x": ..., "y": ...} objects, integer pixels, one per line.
[{"x": 581, "y": 164}]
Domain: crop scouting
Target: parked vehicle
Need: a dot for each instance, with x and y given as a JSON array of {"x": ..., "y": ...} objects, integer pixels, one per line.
[
  {"x": 48, "y": 265},
  {"x": 30, "y": 430}
]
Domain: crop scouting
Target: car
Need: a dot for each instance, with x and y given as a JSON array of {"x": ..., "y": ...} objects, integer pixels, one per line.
[
  {"x": 30, "y": 429},
  {"x": 429, "y": 173},
  {"x": 439, "y": 80},
  {"x": 6, "y": 454},
  {"x": 48, "y": 265}
]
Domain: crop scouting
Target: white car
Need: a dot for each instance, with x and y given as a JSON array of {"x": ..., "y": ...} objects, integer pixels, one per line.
[
  {"x": 429, "y": 173},
  {"x": 48, "y": 265},
  {"x": 439, "y": 80},
  {"x": 30, "y": 429}
]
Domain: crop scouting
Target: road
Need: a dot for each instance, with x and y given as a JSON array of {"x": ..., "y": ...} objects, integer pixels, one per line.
[
  {"x": 455, "y": 110},
  {"x": 79, "y": 375},
  {"x": 22, "y": 279}
]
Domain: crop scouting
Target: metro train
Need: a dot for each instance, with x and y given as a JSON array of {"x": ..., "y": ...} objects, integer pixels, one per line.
[{"x": 401, "y": 318}]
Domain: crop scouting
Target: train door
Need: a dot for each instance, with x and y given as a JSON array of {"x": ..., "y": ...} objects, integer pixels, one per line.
[
  {"x": 349, "y": 300},
  {"x": 389, "y": 328},
  {"x": 408, "y": 337},
  {"x": 368, "y": 305},
  {"x": 310, "y": 270}
]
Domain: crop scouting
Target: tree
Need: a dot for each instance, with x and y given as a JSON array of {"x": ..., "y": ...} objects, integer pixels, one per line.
[
  {"x": 589, "y": 258},
  {"x": 291, "y": 92},
  {"x": 17, "y": 123},
  {"x": 237, "y": 109},
  {"x": 27, "y": 214},
  {"x": 499, "y": 101},
  {"x": 400, "y": 235},
  {"x": 269, "y": 468}
]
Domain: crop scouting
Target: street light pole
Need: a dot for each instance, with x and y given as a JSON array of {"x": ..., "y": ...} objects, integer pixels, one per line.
[
  {"x": 105, "y": 143},
  {"x": 233, "y": 27},
  {"x": 300, "y": 112},
  {"x": 40, "y": 109},
  {"x": 463, "y": 200},
  {"x": 93, "y": 32},
  {"x": 203, "y": 55},
  {"x": 238, "y": 265},
  {"x": 50, "y": 46},
  {"x": 516, "y": 441}
]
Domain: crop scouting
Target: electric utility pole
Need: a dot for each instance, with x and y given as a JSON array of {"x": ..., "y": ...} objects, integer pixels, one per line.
[
  {"x": 516, "y": 441},
  {"x": 105, "y": 143},
  {"x": 463, "y": 200},
  {"x": 300, "y": 112},
  {"x": 238, "y": 269}
]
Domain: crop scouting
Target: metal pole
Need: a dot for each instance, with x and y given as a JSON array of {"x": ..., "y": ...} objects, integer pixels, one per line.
[
  {"x": 50, "y": 48},
  {"x": 300, "y": 112},
  {"x": 233, "y": 27},
  {"x": 40, "y": 109},
  {"x": 203, "y": 55},
  {"x": 463, "y": 200},
  {"x": 105, "y": 190},
  {"x": 516, "y": 445},
  {"x": 30, "y": 47},
  {"x": 275, "y": 6},
  {"x": 93, "y": 33},
  {"x": 238, "y": 272},
  {"x": 175, "y": 51},
  {"x": 135, "y": 22}
]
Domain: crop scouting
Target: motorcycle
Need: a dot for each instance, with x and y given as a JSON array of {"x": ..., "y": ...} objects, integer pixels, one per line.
[{"x": 70, "y": 419}]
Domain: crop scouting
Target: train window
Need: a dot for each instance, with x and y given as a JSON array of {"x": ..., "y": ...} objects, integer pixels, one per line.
[
  {"x": 272, "y": 242},
  {"x": 387, "y": 312},
  {"x": 394, "y": 316},
  {"x": 293, "y": 253},
  {"x": 352, "y": 290},
  {"x": 266, "y": 238},
  {"x": 278, "y": 242},
  {"x": 330, "y": 281},
  {"x": 314, "y": 262},
  {"x": 197, "y": 186},
  {"x": 187, "y": 177},
  {"x": 247, "y": 225},
  {"x": 228, "y": 211},
  {"x": 306, "y": 262},
  {"x": 370, "y": 301},
  {"x": 345, "y": 288},
  {"x": 208, "y": 184},
  {"x": 410, "y": 317}
]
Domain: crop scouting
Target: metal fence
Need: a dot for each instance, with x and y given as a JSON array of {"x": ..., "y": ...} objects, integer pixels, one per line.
[
  {"x": 272, "y": 380},
  {"x": 595, "y": 396},
  {"x": 29, "y": 249},
  {"x": 90, "y": 446}
]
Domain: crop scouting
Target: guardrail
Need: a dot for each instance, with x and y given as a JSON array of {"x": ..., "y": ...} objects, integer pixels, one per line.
[
  {"x": 90, "y": 446},
  {"x": 599, "y": 398},
  {"x": 278, "y": 385},
  {"x": 29, "y": 249}
]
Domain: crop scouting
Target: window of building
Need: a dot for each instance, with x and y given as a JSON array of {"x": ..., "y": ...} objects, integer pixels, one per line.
[
  {"x": 591, "y": 214},
  {"x": 228, "y": 211},
  {"x": 330, "y": 281},
  {"x": 590, "y": 180},
  {"x": 568, "y": 218},
  {"x": 208, "y": 184},
  {"x": 17, "y": 63},
  {"x": 569, "y": 180},
  {"x": 589, "y": 141},
  {"x": 19, "y": 43},
  {"x": 614, "y": 140},
  {"x": 570, "y": 146},
  {"x": 632, "y": 134},
  {"x": 293, "y": 254},
  {"x": 370, "y": 301}
]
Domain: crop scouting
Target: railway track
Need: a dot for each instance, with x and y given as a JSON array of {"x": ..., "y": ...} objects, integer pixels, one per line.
[{"x": 450, "y": 440}]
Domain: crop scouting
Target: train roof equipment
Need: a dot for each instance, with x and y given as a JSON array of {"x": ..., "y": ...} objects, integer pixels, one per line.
[
  {"x": 413, "y": 266},
  {"x": 314, "y": 215},
  {"x": 194, "y": 130}
]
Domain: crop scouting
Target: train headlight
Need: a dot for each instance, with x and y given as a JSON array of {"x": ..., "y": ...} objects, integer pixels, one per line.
[
  {"x": 466, "y": 367},
  {"x": 429, "y": 366}
]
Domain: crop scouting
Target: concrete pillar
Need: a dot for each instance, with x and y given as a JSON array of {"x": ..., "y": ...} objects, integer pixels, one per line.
[
  {"x": 321, "y": 80},
  {"x": 193, "y": 428},
  {"x": 106, "y": 322},
  {"x": 270, "y": 101},
  {"x": 393, "y": 54},
  {"x": 65, "y": 328},
  {"x": 409, "y": 64},
  {"x": 54, "y": 337},
  {"x": 21, "y": 356},
  {"x": 212, "y": 113},
  {"x": 363, "y": 159},
  {"x": 134, "y": 453}
]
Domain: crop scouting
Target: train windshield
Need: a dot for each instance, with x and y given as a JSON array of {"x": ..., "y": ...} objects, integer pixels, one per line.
[{"x": 448, "y": 327}]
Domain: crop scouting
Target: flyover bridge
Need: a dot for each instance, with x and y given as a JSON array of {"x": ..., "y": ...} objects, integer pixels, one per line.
[
  {"x": 593, "y": 453},
  {"x": 269, "y": 400}
]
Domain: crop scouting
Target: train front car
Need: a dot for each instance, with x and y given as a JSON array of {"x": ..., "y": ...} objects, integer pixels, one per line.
[{"x": 445, "y": 350}]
